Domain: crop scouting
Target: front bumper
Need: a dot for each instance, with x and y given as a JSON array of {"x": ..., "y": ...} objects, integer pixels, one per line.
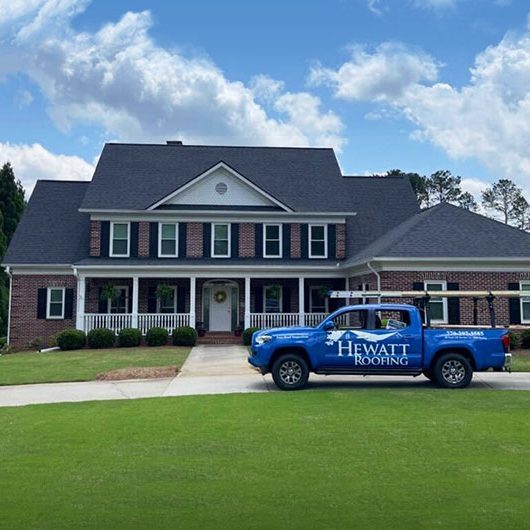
[{"x": 507, "y": 362}]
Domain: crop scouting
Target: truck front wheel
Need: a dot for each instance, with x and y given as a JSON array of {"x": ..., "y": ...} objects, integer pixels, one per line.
[
  {"x": 452, "y": 370},
  {"x": 290, "y": 372}
]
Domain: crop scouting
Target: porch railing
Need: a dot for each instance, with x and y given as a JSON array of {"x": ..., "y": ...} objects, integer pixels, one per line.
[
  {"x": 273, "y": 320},
  {"x": 117, "y": 322},
  {"x": 314, "y": 319}
]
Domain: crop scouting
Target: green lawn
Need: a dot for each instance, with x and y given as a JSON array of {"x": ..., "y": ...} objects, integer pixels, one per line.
[
  {"x": 366, "y": 458},
  {"x": 82, "y": 365},
  {"x": 521, "y": 363}
]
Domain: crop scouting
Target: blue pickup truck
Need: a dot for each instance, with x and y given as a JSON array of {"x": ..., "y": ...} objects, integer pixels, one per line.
[{"x": 378, "y": 339}]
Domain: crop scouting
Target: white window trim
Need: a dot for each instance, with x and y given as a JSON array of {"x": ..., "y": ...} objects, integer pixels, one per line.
[
  {"x": 280, "y": 304},
  {"x": 444, "y": 301},
  {"x": 280, "y": 239},
  {"x": 522, "y": 300},
  {"x": 326, "y": 299},
  {"x": 48, "y": 303},
  {"x": 176, "y": 254},
  {"x": 158, "y": 301},
  {"x": 109, "y": 301},
  {"x": 212, "y": 243},
  {"x": 309, "y": 253},
  {"x": 111, "y": 253}
]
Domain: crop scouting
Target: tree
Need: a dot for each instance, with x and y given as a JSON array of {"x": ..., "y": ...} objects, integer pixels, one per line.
[
  {"x": 520, "y": 213},
  {"x": 418, "y": 183},
  {"x": 442, "y": 186},
  {"x": 468, "y": 202},
  {"x": 506, "y": 198}
]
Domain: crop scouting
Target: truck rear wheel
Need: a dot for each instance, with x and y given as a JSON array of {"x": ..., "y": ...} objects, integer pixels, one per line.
[
  {"x": 452, "y": 370},
  {"x": 290, "y": 372}
]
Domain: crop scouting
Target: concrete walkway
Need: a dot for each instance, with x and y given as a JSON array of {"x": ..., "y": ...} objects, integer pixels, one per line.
[{"x": 223, "y": 370}]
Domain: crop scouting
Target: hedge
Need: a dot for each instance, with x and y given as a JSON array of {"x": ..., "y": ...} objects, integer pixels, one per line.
[
  {"x": 129, "y": 337},
  {"x": 156, "y": 337},
  {"x": 101, "y": 338},
  {"x": 184, "y": 336},
  {"x": 71, "y": 339},
  {"x": 247, "y": 335}
]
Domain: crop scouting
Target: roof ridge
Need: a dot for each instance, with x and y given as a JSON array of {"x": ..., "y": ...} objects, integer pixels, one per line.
[
  {"x": 68, "y": 181},
  {"x": 223, "y": 146}
]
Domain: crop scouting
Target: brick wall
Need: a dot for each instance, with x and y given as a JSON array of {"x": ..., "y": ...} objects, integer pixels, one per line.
[
  {"x": 341, "y": 241},
  {"x": 25, "y": 326},
  {"x": 247, "y": 240},
  {"x": 194, "y": 240},
  {"x": 143, "y": 239},
  {"x": 95, "y": 238},
  {"x": 296, "y": 248}
]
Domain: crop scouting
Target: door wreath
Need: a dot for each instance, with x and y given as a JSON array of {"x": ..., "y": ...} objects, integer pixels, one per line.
[{"x": 219, "y": 297}]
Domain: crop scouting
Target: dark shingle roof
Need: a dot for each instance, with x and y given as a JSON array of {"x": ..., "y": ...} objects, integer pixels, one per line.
[
  {"x": 51, "y": 231},
  {"x": 446, "y": 230},
  {"x": 135, "y": 176}
]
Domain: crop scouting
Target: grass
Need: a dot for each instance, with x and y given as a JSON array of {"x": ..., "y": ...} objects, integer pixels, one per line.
[
  {"x": 367, "y": 458},
  {"x": 83, "y": 365},
  {"x": 521, "y": 363}
]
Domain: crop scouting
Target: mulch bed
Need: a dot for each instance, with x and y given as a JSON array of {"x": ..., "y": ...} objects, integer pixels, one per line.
[{"x": 152, "y": 372}]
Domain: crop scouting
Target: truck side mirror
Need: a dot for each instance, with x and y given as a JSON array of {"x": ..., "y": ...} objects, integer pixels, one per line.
[{"x": 329, "y": 325}]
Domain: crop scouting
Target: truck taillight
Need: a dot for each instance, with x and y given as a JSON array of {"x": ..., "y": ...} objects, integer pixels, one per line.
[{"x": 506, "y": 342}]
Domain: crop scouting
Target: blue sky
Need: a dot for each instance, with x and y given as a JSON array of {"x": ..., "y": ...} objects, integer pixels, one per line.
[{"x": 419, "y": 85}]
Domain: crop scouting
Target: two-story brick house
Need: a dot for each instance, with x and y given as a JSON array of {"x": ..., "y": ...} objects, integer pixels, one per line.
[{"x": 239, "y": 237}]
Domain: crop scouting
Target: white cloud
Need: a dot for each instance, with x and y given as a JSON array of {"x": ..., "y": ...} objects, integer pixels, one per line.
[
  {"x": 23, "y": 98},
  {"x": 376, "y": 7},
  {"x": 33, "y": 162},
  {"x": 119, "y": 79}
]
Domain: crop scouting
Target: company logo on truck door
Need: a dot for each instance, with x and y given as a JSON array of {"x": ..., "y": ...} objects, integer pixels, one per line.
[{"x": 369, "y": 348}]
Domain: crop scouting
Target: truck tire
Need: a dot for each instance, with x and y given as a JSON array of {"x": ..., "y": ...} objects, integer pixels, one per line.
[
  {"x": 452, "y": 370},
  {"x": 290, "y": 372}
]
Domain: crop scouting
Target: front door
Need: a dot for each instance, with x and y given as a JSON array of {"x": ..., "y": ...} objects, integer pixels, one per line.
[{"x": 221, "y": 308}]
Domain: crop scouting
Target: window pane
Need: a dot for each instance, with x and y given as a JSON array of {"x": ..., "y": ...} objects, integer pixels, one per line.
[
  {"x": 272, "y": 248},
  {"x": 317, "y": 232},
  {"x": 436, "y": 310},
  {"x": 526, "y": 310},
  {"x": 220, "y": 248},
  {"x": 525, "y": 287},
  {"x": 119, "y": 247},
  {"x": 168, "y": 231},
  {"x": 56, "y": 295},
  {"x": 120, "y": 231},
  {"x": 318, "y": 302},
  {"x": 168, "y": 304},
  {"x": 272, "y": 232},
  {"x": 352, "y": 320},
  {"x": 56, "y": 309},
  {"x": 272, "y": 299},
  {"x": 317, "y": 248},
  {"x": 168, "y": 247},
  {"x": 221, "y": 231}
]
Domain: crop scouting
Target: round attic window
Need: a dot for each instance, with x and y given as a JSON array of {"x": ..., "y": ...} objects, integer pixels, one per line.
[{"x": 221, "y": 188}]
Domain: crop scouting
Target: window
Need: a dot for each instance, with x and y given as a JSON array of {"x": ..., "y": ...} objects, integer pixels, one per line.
[
  {"x": 169, "y": 304},
  {"x": 525, "y": 303},
  {"x": 119, "y": 240},
  {"x": 272, "y": 297},
  {"x": 392, "y": 319},
  {"x": 272, "y": 241},
  {"x": 220, "y": 240},
  {"x": 55, "y": 307},
  {"x": 120, "y": 304},
  {"x": 318, "y": 301},
  {"x": 356, "y": 319},
  {"x": 168, "y": 240},
  {"x": 318, "y": 241},
  {"x": 437, "y": 306}
]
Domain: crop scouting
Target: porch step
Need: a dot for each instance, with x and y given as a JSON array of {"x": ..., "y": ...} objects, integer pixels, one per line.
[{"x": 219, "y": 337}]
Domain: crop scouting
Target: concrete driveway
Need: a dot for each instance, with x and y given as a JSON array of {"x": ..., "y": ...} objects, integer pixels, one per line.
[{"x": 224, "y": 370}]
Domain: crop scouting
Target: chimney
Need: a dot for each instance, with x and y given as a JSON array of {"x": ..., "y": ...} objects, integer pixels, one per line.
[{"x": 174, "y": 142}]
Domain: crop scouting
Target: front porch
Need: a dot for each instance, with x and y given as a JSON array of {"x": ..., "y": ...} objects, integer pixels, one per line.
[{"x": 211, "y": 304}]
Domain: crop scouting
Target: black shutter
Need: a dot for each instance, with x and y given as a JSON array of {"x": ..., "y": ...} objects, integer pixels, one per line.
[
  {"x": 418, "y": 286},
  {"x": 258, "y": 299},
  {"x": 182, "y": 239},
  {"x": 286, "y": 299},
  {"x": 286, "y": 241},
  {"x": 514, "y": 305},
  {"x": 234, "y": 240},
  {"x": 105, "y": 239},
  {"x": 307, "y": 295},
  {"x": 259, "y": 241},
  {"x": 453, "y": 305},
  {"x": 134, "y": 240},
  {"x": 68, "y": 303},
  {"x": 332, "y": 241},
  {"x": 304, "y": 240},
  {"x": 42, "y": 299},
  {"x": 153, "y": 240},
  {"x": 102, "y": 303},
  {"x": 181, "y": 299},
  {"x": 151, "y": 299},
  {"x": 206, "y": 240}
]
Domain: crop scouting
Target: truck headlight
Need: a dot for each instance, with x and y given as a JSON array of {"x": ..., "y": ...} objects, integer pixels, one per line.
[{"x": 262, "y": 339}]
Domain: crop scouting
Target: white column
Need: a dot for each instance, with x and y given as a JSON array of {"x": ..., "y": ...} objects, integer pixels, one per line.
[
  {"x": 193, "y": 290},
  {"x": 301, "y": 301},
  {"x": 347, "y": 288},
  {"x": 134, "y": 321},
  {"x": 80, "y": 305},
  {"x": 247, "y": 302}
]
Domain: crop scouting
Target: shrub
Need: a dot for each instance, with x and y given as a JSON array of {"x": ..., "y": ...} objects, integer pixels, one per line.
[
  {"x": 156, "y": 337},
  {"x": 247, "y": 335},
  {"x": 184, "y": 336},
  {"x": 129, "y": 337},
  {"x": 36, "y": 344},
  {"x": 514, "y": 340},
  {"x": 525, "y": 339},
  {"x": 3, "y": 342},
  {"x": 71, "y": 339},
  {"x": 101, "y": 338}
]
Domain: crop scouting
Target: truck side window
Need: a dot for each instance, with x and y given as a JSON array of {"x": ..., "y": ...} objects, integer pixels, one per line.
[
  {"x": 357, "y": 319},
  {"x": 392, "y": 319}
]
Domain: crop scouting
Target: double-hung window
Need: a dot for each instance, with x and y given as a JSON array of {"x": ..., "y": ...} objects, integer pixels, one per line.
[
  {"x": 318, "y": 301},
  {"x": 272, "y": 298},
  {"x": 168, "y": 304},
  {"x": 119, "y": 304},
  {"x": 272, "y": 241},
  {"x": 437, "y": 306},
  {"x": 220, "y": 240},
  {"x": 168, "y": 240},
  {"x": 55, "y": 306},
  {"x": 119, "y": 240},
  {"x": 525, "y": 303},
  {"x": 318, "y": 241}
]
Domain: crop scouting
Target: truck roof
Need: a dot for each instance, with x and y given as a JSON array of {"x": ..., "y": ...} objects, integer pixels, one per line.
[{"x": 381, "y": 307}]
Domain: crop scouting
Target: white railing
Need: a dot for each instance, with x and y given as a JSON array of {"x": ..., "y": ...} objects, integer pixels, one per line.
[
  {"x": 273, "y": 320},
  {"x": 170, "y": 321},
  {"x": 314, "y": 319},
  {"x": 115, "y": 322}
]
